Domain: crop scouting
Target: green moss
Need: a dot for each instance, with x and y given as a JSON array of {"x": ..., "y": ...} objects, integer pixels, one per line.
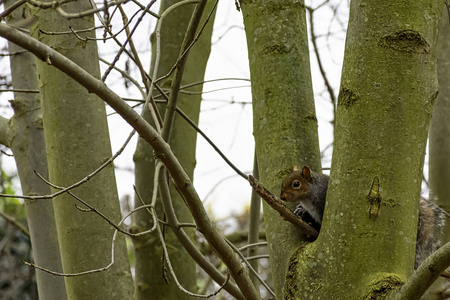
[
  {"x": 347, "y": 97},
  {"x": 310, "y": 118},
  {"x": 292, "y": 280},
  {"x": 405, "y": 40},
  {"x": 382, "y": 285}
]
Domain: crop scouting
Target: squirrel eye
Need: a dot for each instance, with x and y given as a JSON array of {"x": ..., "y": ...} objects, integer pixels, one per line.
[{"x": 296, "y": 184}]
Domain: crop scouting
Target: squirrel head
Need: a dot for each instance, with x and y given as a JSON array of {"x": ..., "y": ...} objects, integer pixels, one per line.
[{"x": 296, "y": 186}]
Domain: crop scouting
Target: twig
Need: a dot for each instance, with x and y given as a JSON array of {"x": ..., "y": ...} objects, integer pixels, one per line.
[
  {"x": 117, "y": 229},
  {"x": 256, "y": 257},
  {"x": 153, "y": 109},
  {"x": 319, "y": 62},
  {"x": 187, "y": 243},
  {"x": 122, "y": 48},
  {"x": 151, "y": 136},
  {"x": 47, "y": 5},
  {"x": 253, "y": 245},
  {"x": 86, "y": 179},
  {"x": 147, "y": 10},
  {"x": 253, "y": 227},
  {"x": 181, "y": 58},
  {"x": 19, "y": 91},
  {"x": 169, "y": 264},
  {"x": 126, "y": 75},
  {"x": 133, "y": 48},
  {"x": 14, "y": 222},
  {"x": 86, "y": 13},
  {"x": 185, "y": 117},
  {"x": 282, "y": 209},
  {"x": 10, "y": 9},
  {"x": 251, "y": 268}
]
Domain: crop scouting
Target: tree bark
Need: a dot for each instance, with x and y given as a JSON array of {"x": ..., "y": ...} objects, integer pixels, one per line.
[
  {"x": 367, "y": 242},
  {"x": 284, "y": 118},
  {"x": 439, "y": 143},
  {"x": 26, "y": 140},
  {"x": 77, "y": 142},
  {"x": 183, "y": 143}
]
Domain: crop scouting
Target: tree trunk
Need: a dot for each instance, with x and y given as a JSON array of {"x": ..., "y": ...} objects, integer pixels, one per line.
[
  {"x": 439, "y": 157},
  {"x": 149, "y": 278},
  {"x": 284, "y": 119},
  {"x": 367, "y": 242},
  {"x": 27, "y": 143},
  {"x": 77, "y": 142}
]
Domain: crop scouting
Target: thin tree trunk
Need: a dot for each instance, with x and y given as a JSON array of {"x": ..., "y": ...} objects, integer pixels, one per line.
[
  {"x": 439, "y": 157},
  {"x": 27, "y": 143},
  {"x": 150, "y": 280},
  {"x": 77, "y": 142},
  {"x": 284, "y": 119}
]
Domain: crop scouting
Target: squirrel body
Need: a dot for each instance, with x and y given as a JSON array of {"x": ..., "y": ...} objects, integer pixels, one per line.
[{"x": 310, "y": 189}]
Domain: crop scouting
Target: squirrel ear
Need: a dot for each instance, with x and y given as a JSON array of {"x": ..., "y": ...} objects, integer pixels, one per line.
[
  {"x": 294, "y": 168},
  {"x": 306, "y": 173}
]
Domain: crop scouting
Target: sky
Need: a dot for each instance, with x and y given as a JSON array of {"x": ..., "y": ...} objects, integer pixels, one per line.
[{"x": 226, "y": 114}]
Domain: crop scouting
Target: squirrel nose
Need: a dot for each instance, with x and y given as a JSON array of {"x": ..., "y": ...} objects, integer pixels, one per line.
[{"x": 283, "y": 196}]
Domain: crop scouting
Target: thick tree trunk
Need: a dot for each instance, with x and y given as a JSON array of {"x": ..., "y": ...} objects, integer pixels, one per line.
[
  {"x": 27, "y": 143},
  {"x": 439, "y": 154},
  {"x": 367, "y": 242},
  {"x": 148, "y": 249},
  {"x": 77, "y": 142},
  {"x": 284, "y": 119}
]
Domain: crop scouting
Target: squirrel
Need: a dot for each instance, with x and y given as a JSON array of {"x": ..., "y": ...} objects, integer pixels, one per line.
[{"x": 310, "y": 189}]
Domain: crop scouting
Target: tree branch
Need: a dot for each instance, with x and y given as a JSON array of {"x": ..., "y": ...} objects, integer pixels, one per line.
[
  {"x": 282, "y": 209},
  {"x": 425, "y": 275},
  {"x": 186, "y": 241},
  {"x": 151, "y": 136},
  {"x": 15, "y": 223}
]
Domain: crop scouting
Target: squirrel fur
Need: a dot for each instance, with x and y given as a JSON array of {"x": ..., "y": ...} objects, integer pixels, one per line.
[{"x": 310, "y": 189}]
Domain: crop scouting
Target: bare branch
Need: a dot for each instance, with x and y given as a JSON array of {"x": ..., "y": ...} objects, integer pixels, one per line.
[
  {"x": 282, "y": 209},
  {"x": 10, "y": 9},
  {"x": 169, "y": 264},
  {"x": 153, "y": 109},
  {"x": 187, "y": 243},
  {"x": 319, "y": 62},
  {"x": 16, "y": 224},
  {"x": 116, "y": 58},
  {"x": 85, "y": 179},
  {"x": 254, "y": 272},
  {"x": 186, "y": 50},
  {"x": 151, "y": 136},
  {"x": 64, "y": 14},
  {"x": 425, "y": 275}
]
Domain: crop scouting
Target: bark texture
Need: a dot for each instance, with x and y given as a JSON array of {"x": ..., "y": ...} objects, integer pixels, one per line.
[
  {"x": 183, "y": 143},
  {"x": 26, "y": 140},
  {"x": 77, "y": 142},
  {"x": 366, "y": 246},
  {"x": 439, "y": 144},
  {"x": 284, "y": 119}
]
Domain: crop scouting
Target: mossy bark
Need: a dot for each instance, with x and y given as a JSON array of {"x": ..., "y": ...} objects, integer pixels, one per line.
[
  {"x": 26, "y": 138},
  {"x": 366, "y": 246},
  {"x": 439, "y": 144},
  {"x": 148, "y": 249},
  {"x": 284, "y": 119},
  {"x": 77, "y": 142}
]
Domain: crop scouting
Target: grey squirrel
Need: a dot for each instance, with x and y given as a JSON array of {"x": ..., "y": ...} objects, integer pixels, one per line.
[{"x": 310, "y": 189}]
